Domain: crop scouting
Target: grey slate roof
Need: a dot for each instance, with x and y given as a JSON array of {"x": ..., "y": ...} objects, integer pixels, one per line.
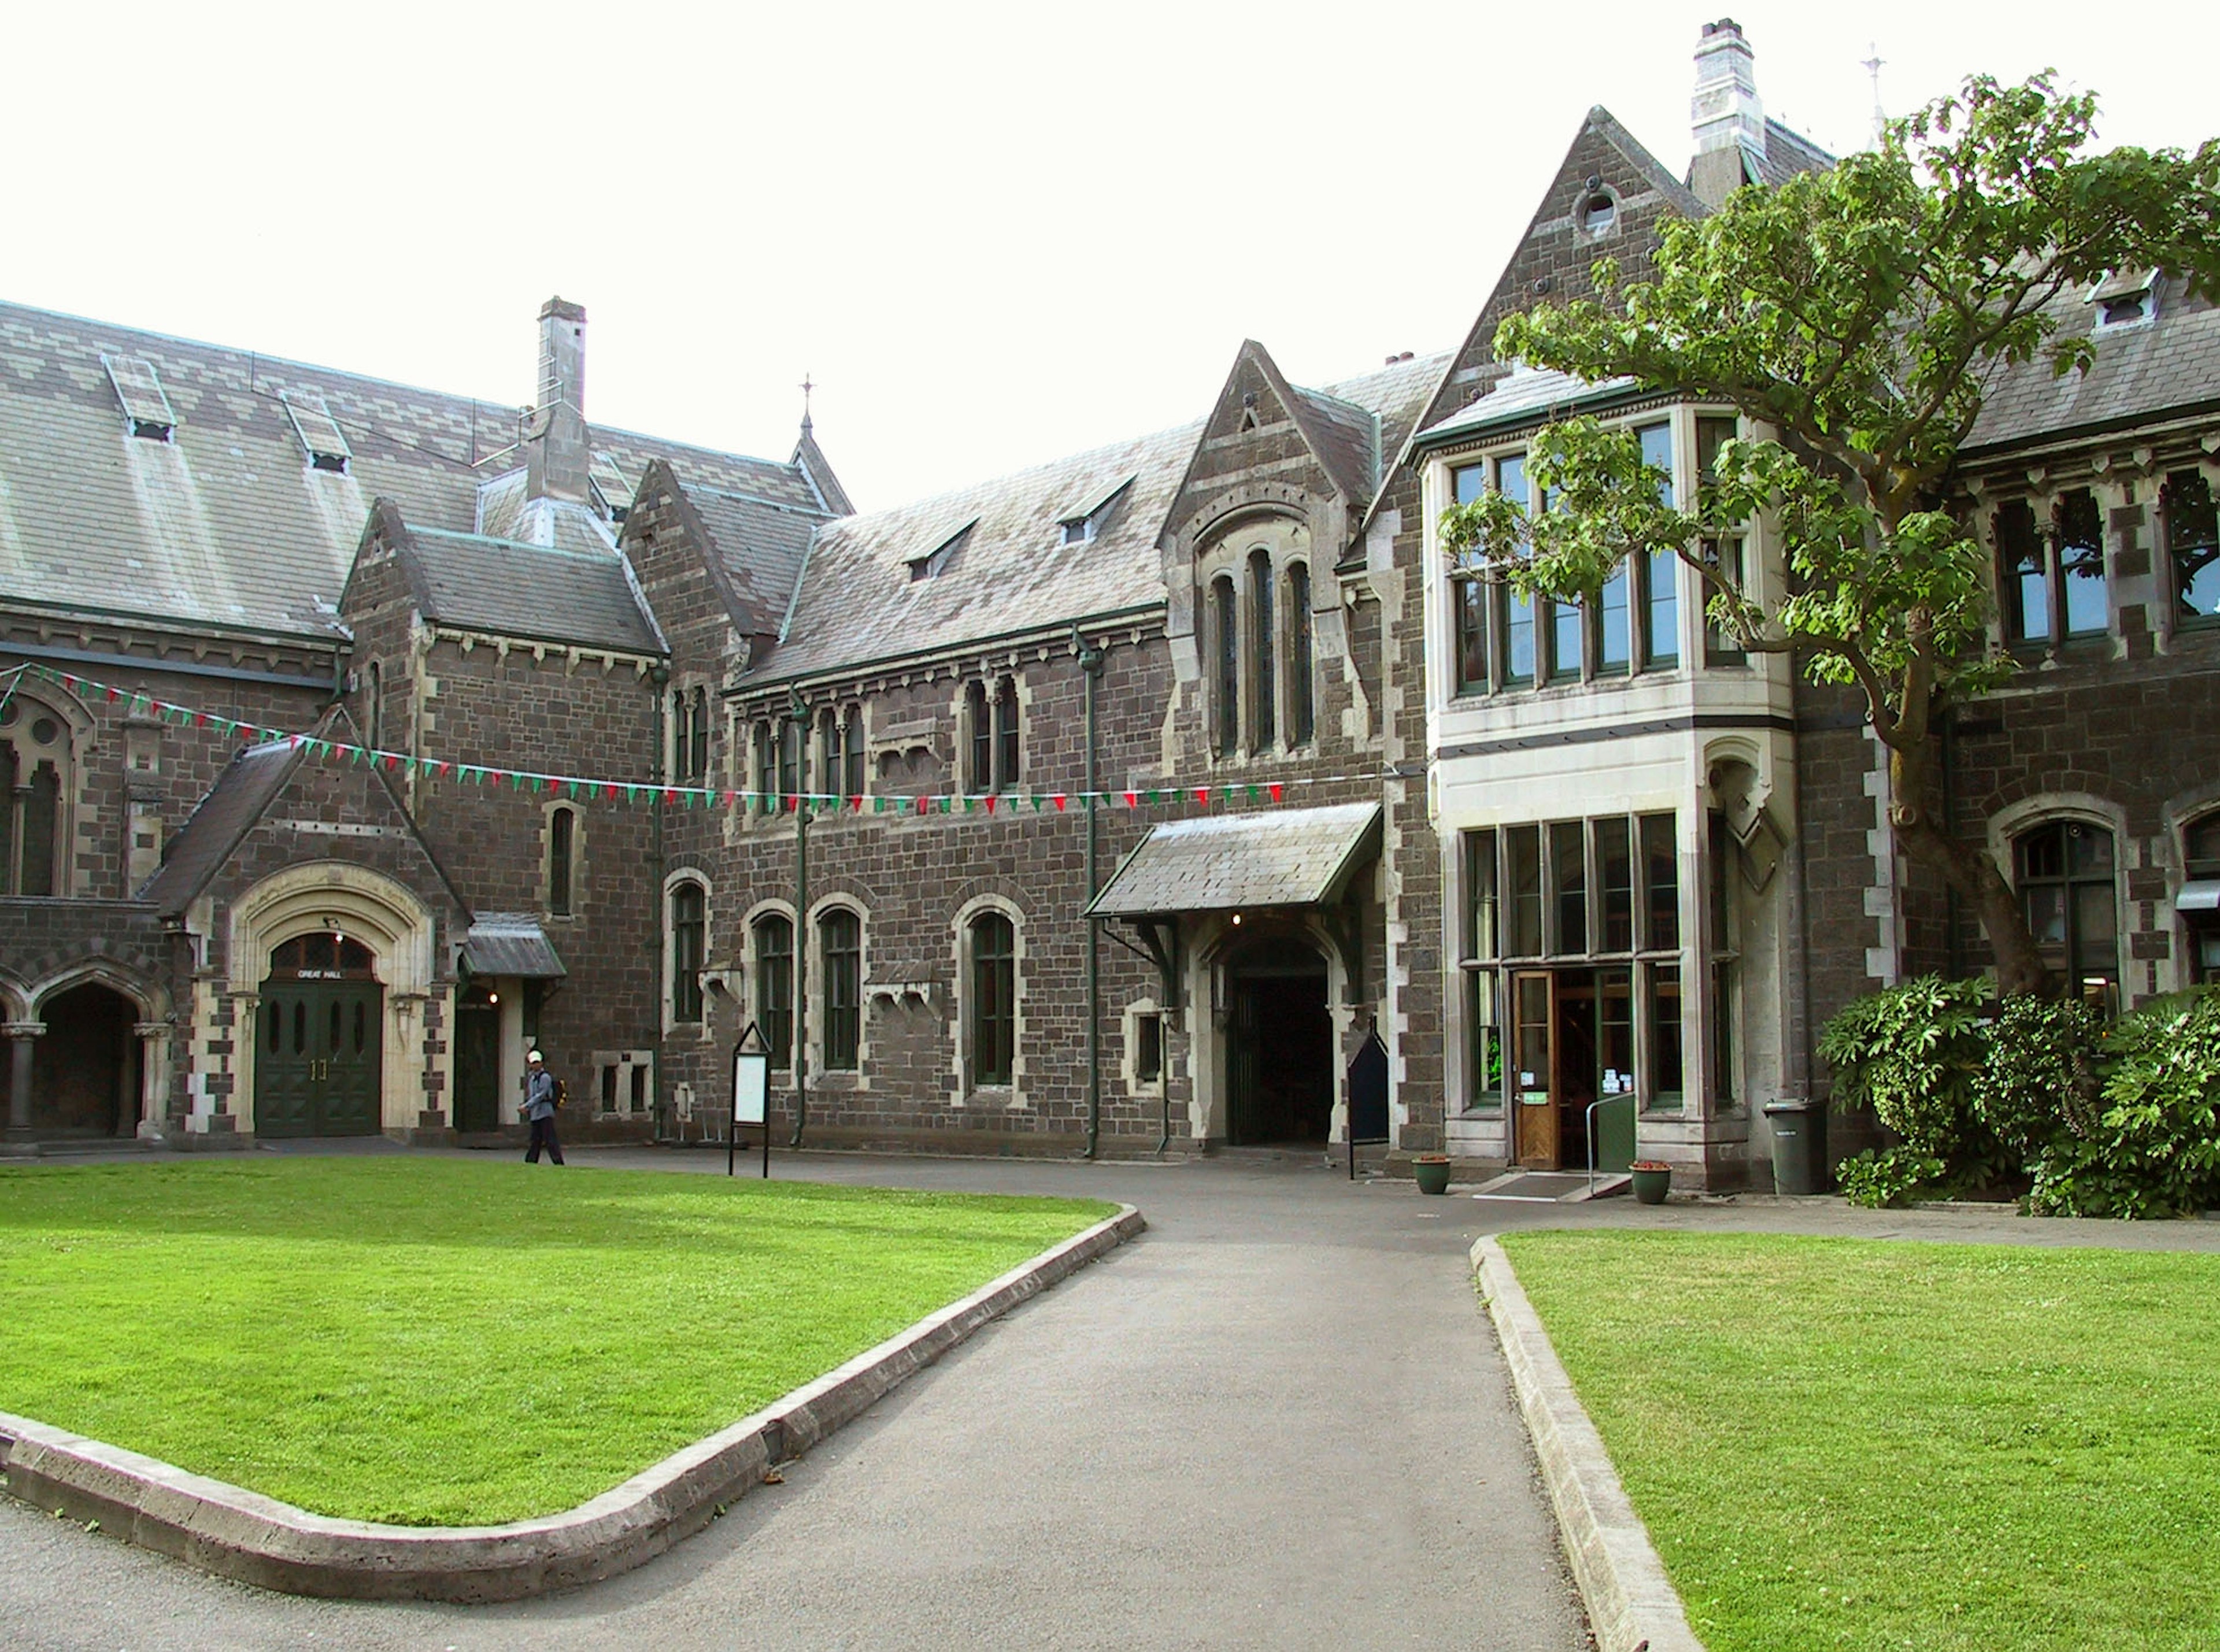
[
  {"x": 1786, "y": 154},
  {"x": 1396, "y": 395},
  {"x": 229, "y": 525},
  {"x": 2142, "y": 372},
  {"x": 1523, "y": 396},
  {"x": 761, "y": 543},
  {"x": 1230, "y": 863},
  {"x": 511, "y": 944},
  {"x": 545, "y": 591},
  {"x": 857, "y": 603},
  {"x": 253, "y": 777}
]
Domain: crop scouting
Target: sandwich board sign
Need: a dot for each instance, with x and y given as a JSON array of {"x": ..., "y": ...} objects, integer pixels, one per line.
[{"x": 750, "y": 1095}]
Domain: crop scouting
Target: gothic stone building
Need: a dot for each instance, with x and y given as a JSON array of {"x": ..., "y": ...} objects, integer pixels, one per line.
[{"x": 1125, "y": 804}]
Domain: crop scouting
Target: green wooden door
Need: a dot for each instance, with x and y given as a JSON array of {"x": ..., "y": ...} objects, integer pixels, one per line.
[
  {"x": 1243, "y": 1103},
  {"x": 319, "y": 1055},
  {"x": 477, "y": 1067}
]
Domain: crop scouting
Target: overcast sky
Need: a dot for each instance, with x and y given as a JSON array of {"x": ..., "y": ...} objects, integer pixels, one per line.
[{"x": 991, "y": 234}]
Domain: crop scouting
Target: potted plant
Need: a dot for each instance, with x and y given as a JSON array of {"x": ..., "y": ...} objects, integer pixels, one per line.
[
  {"x": 1432, "y": 1171},
  {"x": 1652, "y": 1177}
]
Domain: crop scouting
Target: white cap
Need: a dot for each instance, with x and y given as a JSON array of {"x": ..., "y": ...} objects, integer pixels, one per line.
[{"x": 535, "y": 1056}]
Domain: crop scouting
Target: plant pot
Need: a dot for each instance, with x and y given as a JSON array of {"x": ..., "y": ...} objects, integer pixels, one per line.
[
  {"x": 1651, "y": 1182},
  {"x": 1431, "y": 1172}
]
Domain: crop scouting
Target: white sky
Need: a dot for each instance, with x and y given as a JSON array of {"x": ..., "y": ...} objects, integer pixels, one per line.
[{"x": 991, "y": 232}]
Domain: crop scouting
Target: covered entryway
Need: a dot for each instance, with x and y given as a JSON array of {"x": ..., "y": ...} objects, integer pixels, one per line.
[
  {"x": 1572, "y": 1046},
  {"x": 85, "y": 1070},
  {"x": 478, "y": 1060},
  {"x": 1279, "y": 1046},
  {"x": 320, "y": 1039}
]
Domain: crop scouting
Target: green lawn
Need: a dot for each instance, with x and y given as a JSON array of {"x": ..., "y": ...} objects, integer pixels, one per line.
[
  {"x": 446, "y": 1342},
  {"x": 1852, "y": 1443}
]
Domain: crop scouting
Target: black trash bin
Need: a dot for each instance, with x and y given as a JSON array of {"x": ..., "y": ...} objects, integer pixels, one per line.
[{"x": 1800, "y": 1145}]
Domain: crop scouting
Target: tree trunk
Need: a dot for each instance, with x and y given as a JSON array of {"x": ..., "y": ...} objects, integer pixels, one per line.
[{"x": 1915, "y": 775}]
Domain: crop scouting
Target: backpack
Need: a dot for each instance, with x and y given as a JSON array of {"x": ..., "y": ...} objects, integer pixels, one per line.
[{"x": 561, "y": 1094}]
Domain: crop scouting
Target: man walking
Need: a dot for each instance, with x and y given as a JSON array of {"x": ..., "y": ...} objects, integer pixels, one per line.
[{"x": 541, "y": 1094}]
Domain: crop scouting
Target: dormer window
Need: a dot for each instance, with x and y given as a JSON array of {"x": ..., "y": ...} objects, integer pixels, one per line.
[
  {"x": 926, "y": 563},
  {"x": 320, "y": 433},
  {"x": 613, "y": 492},
  {"x": 1084, "y": 521},
  {"x": 145, "y": 408},
  {"x": 2126, "y": 299}
]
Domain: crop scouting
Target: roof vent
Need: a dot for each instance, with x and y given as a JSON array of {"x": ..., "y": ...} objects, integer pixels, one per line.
[
  {"x": 145, "y": 409},
  {"x": 611, "y": 491},
  {"x": 320, "y": 433}
]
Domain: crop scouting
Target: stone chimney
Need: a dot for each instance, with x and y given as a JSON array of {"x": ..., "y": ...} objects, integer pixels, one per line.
[
  {"x": 1728, "y": 118},
  {"x": 557, "y": 453}
]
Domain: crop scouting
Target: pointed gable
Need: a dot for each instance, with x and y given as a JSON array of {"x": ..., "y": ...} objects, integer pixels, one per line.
[
  {"x": 1607, "y": 200},
  {"x": 271, "y": 805}
]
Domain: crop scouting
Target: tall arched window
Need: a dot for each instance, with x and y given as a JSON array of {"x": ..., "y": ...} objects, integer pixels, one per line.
[
  {"x": 680, "y": 731},
  {"x": 766, "y": 744},
  {"x": 774, "y": 937},
  {"x": 993, "y": 999},
  {"x": 1263, "y": 691},
  {"x": 562, "y": 852},
  {"x": 689, "y": 921},
  {"x": 840, "y": 945},
  {"x": 852, "y": 752},
  {"x": 979, "y": 768},
  {"x": 34, "y": 763},
  {"x": 1225, "y": 617},
  {"x": 829, "y": 750},
  {"x": 698, "y": 755},
  {"x": 1005, "y": 734},
  {"x": 1301, "y": 712},
  {"x": 789, "y": 756},
  {"x": 2066, "y": 882}
]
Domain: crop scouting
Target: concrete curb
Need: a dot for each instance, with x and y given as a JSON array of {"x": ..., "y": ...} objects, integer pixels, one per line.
[
  {"x": 1631, "y": 1605},
  {"x": 240, "y": 1534}
]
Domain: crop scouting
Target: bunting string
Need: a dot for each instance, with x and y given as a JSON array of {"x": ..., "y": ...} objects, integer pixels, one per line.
[{"x": 601, "y": 788}]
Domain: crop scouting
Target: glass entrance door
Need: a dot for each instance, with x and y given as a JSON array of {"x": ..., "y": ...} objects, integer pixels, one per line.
[{"x": 1533, "y": 1078}]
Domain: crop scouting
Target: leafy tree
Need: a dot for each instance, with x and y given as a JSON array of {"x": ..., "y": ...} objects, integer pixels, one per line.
[{"x": 1855, "y": 316}]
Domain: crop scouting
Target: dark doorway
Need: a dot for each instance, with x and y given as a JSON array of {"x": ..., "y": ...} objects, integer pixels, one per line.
[
  {"x": 320, "y": 1040},
  {"x": 478, "y": 1061},
  {"x": 84, "y": 1069},
  {"x": 1279, "y": 1057}
]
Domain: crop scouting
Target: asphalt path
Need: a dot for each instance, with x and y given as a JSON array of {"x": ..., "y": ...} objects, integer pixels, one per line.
[{"x": 1279, "y": 1419}]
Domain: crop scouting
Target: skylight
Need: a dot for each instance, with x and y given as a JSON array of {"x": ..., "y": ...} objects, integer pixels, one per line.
[
  {"x": 610, "y": 487},
  {"x": 145, "y": 407},
  {"x": 325, "y": 443}
]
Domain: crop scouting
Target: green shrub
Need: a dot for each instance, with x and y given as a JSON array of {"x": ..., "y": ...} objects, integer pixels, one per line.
[
  {"x": 2040, "y": 1074},
  {"x": 1877, "y": 1181},
  {"x": 1911, "y": 1053},
  {"x": 2154, "y": 1148}
]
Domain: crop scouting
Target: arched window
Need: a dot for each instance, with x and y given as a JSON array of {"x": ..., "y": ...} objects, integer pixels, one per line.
[
  {"x": 774, "y": 938},
  {"x": 789, "y": 756},
  {"x": 829, "y": 750},
  {"x": 766, "y": 743},
  {"x": 2066, "y": 883},
  {"x": 680, "y": 731},
  {"x": 688, "y": 920},
  {"x": 2199, "y": 899},
  {"x": 34, "y": 761},
  {"x": 562, "y": 849},
  {"x": 1225, "y": 617},
  {"x": 1005, "y": 734},
  {"x": 1301, "y": 712},
  {"x": 993, "y": 999},
  {"x": 1263, "y": 691},
  {"x": 852, "y": 752},
  {"x": 979, "y": 770},
  {"x": 840, "y": 945},
  {"x": 698, "y": 764},
  {"x": 373, "y": 708}
]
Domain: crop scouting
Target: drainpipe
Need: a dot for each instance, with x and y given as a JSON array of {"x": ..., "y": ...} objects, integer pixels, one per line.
[
  {"x": 1090, "y": 666},
  {"x": 659, "y": 676},
  {"x": 797, "y": 715}
]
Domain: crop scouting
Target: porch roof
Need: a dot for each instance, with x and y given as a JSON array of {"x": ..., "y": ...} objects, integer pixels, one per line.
[
  {"x": 1232, "y": 863},
  {"x": 511, "y": 944}
]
